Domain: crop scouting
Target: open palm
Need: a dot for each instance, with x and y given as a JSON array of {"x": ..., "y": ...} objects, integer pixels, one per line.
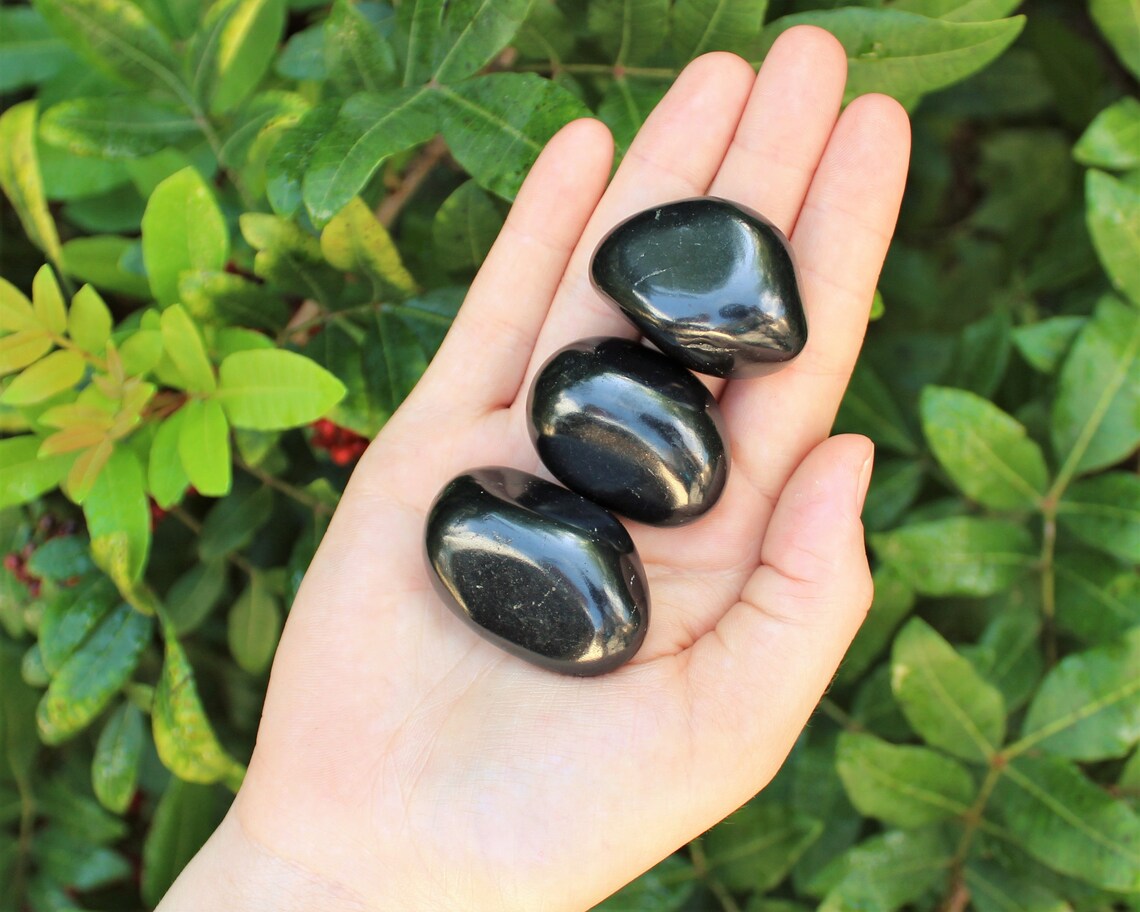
[{"x": 403, "y": 762}]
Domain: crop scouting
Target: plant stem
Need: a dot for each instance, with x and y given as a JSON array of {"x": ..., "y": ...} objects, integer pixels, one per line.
[
  {"x": 601, "y": 69},
  {"x": 704, "y": 872},
  {"x": 970, "y": 824},
  {"x": 837, "y": 713},
  {"x": 302, "y": 497},
  {"x": 196, "y": 527},
  {"x": 1049, "y": 583},
  {"x": 422, "y": 165}
]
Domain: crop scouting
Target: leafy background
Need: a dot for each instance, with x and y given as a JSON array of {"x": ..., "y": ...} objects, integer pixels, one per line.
[{"x": 256, "y": 219}]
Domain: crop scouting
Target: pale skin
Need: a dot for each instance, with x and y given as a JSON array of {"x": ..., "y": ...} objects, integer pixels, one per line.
[{"x": 403, "y": 763}]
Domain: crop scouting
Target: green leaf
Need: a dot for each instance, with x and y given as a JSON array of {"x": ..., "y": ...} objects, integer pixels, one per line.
[
  {"x": 942, "y": 695},
  {"x": 496, "y": 125},
  {"x": 70, "y": 616},
  {"x": 61, "y": 558},
  {"x": 869, "y": 408},
  {"x": 254, "y": 626},
  {"x": 465, "y": 227},
  {"x": 1047, "y": 807},
  {"x": 755, "y": 848},
  {"x": 1096, "y": 414},
  {"x": 185, "y": 741},
  {"x": 982, "y": 352},
  {"x": 371, "y": 127},
  {"x": 665, "y": 887},
  {"x": 116, "y": 38},
  {"x": 894, "y": 598},
  {"x": 960, "y": 555},
  {"x": 1008, "y": 655},
  {"x": 271, "y": 390},
  {"x": 895, "y": 485},
  {"x": 996, "y": 889},
  {"x": 232, "y": 50},
  {"x": 626, "y": 105},
  {"x": 59, "y": 371},
  {"x": 185, "y": 817},
  {"x": 986, "y": 452},
  {"x": 472, "y": 33},
  {"x": 98, "y": 260},
  {"x": 120, "y": 126},
  {"x": 355, "y": 241},
  {"x": 286, "y": 165},
  {"x": 1104, "y": 512},
  {"x": 19, "y": 744},
  {"x": 959, "y": 10},
  {"x": 355, "y": 54},
  {"x": 1044, "y": 343},
  {"x": 1113, "y": 214},
  {"x": 177, "y": 18},
  {"x": 26, "y": 476},
  {"x": 221, "y": 297},
  {"x": 182, "y": 229},
  {"x": 30, "y": 51},
  {"x": 699, "y": 26},
  {"x": 904, "y": 54},
  {"x": 115, "y": 769},
  {"x": 1088, "y": 706},
  {"x": 183, "y": 343},
  {"x": 290, "y": 258},
  {"x": 1112, "y": 140},
  {"x": 66, "y": 859},
  {"x": 393, "y": 360},
  {"x": 117, "y": 504},
  {"x": 194, "y": 595},
  {"x": 204, "y": 447},
  {"x": 629, "y": 31},
  {"x": 93, "y": 674},
  {"x": 1097, "y": 598},
  {"x": 886, "y": 871},
  {"x": 902, "y": 786},
  {"x": 418, "y": 23},
  {"x": 232, "y": 522},
  {"x": 166, "y": 478},
  {"x": 89, "y": 321},
  {"x": 20, "y": 177},
  {"x": 1119, "y": 21}
]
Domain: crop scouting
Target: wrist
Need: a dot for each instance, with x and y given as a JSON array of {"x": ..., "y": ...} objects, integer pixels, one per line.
[{"x": 234, "y": 872}]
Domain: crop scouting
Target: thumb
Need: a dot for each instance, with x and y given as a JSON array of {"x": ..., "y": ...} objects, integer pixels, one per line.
[{"x": 755, "y": 679}]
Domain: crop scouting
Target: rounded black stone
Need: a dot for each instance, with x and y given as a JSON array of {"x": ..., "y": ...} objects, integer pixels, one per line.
[
  {"x": 709, "y": 282},
  {"x": 538, "y": 570},
  {"x": 630, "y": 429}
]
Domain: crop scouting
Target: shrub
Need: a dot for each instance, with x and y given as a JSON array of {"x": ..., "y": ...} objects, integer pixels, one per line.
[{"x": 297, "y": 193}]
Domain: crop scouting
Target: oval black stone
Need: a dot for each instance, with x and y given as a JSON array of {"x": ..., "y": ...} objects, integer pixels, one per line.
[
  {"x": 538, "y": 570},
  {"x": 711, "y": 283},
  {"x": 630, "y": 429}
]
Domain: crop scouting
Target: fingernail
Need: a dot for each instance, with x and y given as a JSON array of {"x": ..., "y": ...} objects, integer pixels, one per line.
[{"x": 864, "y": 479}]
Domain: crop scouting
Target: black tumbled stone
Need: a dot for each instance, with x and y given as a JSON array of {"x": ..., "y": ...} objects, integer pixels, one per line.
[
  {"x": 630, "y": 429},
  {"x": 538, "y": 570},
  {"x": 709, "y": 282}
]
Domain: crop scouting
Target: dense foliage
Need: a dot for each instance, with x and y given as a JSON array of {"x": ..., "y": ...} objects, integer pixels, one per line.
[{"x": 258, "y": 218}]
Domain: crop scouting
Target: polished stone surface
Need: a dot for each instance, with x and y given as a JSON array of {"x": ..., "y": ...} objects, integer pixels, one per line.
[
  {"x": 630, "y": 429},
  {"x": 709, "y": 282},
  {"x": 538, "y": 570}
]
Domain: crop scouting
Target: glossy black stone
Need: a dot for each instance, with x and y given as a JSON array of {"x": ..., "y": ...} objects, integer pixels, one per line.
[
  {"x": 538, "y": 570},
  {"x": 709, "y": 282},
  {"x": 630, "y": 429}
]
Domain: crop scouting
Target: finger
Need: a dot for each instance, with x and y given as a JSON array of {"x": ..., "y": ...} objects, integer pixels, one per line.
[
  {"x": 840, "y": 241},
  {"x": 756, "y": 677},
  {"x": 675, "y": 155},
  {"x": 790, "y": 115},
  {"x": 507, "y": 303}
]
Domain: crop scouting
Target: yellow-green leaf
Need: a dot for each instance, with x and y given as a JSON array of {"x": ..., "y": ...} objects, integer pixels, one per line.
[
  {"x": 271, "y": 389},
  {"x": 141, "y": 351},
  {"x": 115, "y": 769},
  {"x": 183, "y": 343},
  {"x": 204, "y": 447},
  {"x": 254, "y": 626},
  {"x": 15, "y": 309},
  {"x": 182, "y": 229},
  {"x": 20, "y": 177},
  {"x": 85, "y": 470},
  {"x": 185, "y": 741},
  {"x": 47, "y": 301},
  {"x": 89, "y": 322},
  {"x": 232, "y": 49},
  {"x": 355, "y": 241},
  {"x": 22, "y": 348},
  {"x": 57, "y": 372}
]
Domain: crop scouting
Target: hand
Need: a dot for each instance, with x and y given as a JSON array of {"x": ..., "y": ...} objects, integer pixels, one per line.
[{"x": 405, "y": 764}]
